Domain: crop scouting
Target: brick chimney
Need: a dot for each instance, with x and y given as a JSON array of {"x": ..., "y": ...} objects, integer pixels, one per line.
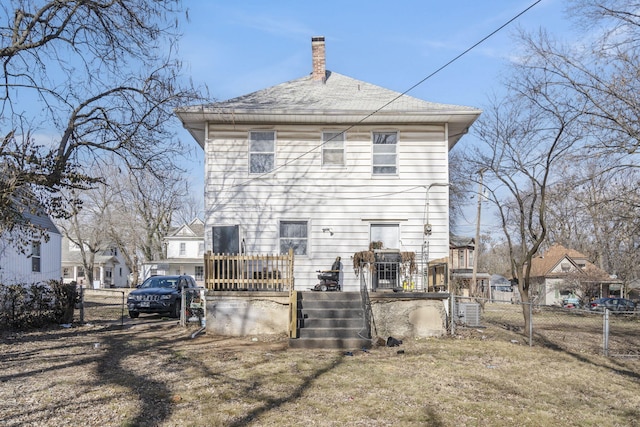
[{"x": 319, "y": 72}]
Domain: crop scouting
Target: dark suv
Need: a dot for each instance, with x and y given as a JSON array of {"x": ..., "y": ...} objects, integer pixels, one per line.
[
  {"x": 613, "y": 304},
  {"x": 159, "y": 294}
]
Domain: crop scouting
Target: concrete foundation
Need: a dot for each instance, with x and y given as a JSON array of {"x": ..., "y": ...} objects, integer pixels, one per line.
[
  {"x": 248, "y": 313},
  {"x": 401, "y": 315},
  {"x": 409, "y": 315}
]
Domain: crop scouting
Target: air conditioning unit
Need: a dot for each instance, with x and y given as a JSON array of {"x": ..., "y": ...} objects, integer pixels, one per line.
[{"x": 469, "y": 313}]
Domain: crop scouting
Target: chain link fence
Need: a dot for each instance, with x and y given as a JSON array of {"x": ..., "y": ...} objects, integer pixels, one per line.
[
  {"x": 101, "y": 306},
  {"x": 110, "y": 306},
  {"x": 572, "y": 330},
  {"x": 194, "y": 309}
]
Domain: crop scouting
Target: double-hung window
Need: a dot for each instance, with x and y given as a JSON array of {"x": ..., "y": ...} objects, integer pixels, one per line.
[
  {"x": 35, "y": 257},
  {"x": 332, "y": 148},
  {"x": 262, "y": 151},
  {"x": 183, "y": 249},
  {"x": 385, "y": 153},
  {"x": 294, "y": 234}
]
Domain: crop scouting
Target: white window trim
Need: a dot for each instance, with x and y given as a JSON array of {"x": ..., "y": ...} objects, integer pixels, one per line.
[
  {"x": 397, "y": 154},
  {"x": 249, "y": 152},
  {"x": 344, "y": 149},
  {"x": 386, "y": 224},
  {"x": 308, "y": 221},
  {"x": 36, "y": 255}
]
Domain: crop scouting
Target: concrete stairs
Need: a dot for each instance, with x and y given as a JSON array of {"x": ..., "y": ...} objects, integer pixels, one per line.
[{"x": 331, "y": 320}]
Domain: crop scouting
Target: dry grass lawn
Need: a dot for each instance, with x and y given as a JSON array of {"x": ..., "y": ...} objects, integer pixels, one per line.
[{"x": 154, "y": 374}]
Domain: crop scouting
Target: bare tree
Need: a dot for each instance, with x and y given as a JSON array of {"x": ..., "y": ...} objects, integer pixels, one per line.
[
  {"x": 80, "y": 79},
  {"x": 493, "y": 255},
  {"x": 600, "y": 72},
  {"x": 87, "y": 228},
  {"x": 147, "y": 205},
  {"x": 192, "y": 207},
  {"x": 522, "y": 139},
  {"x": 596, "y": 210},
  {"x": 458, "y": 190},
  {"x": 133, "y": 212}
]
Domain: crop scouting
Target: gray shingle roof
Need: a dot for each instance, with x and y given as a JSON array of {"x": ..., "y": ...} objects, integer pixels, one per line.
[
  {"x": 340, "y": 100},
  {"x": 42, "y": 220},
  {"x": 337, "y": 93}
]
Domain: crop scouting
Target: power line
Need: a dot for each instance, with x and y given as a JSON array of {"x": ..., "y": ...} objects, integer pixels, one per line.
[{"x": 478, "y": 43}]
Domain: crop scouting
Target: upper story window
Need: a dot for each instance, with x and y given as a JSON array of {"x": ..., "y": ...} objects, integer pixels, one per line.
[
  {"x": 35, "y": 257},
  {"x": 183, "y": 249},
  {"x": 294, "y": 234},
  {"x": 385, "y": 153},
  {"x": 262, "y": 151},
  {"x": 332, "y": 148},
  {"x": 201, "y": 248}
]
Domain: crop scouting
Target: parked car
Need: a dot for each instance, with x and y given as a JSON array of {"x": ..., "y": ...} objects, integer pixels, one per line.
[
  {"x": 613, "y": 304},
  {"x": 159, "y": 294},
  {"x": 571, "y": 302}
]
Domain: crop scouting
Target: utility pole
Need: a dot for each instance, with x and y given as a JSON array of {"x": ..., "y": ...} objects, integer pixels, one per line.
[
  {"x": 474, "y": 284},
  {"x": 427, "y": 232}
]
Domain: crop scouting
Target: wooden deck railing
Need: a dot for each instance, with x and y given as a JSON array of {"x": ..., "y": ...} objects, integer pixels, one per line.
[{"x": 226, "y": 272}]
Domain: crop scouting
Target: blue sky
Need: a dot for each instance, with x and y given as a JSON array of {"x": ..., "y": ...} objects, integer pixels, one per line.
[{"x": 239, "y": 47}]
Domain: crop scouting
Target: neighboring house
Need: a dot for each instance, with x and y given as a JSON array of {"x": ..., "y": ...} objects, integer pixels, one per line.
[
  {"x": 502, "y": 289},
  {"x": 40, "y": 263},
  {"x": 562, "y": 272},
  {"x": 633, "y": 290},
  {"x": 109, "y": 267},
  {"x": 185, "y": 253},
  {"x": 326, "y": 164},
  {"x": 461, "y": 253}
]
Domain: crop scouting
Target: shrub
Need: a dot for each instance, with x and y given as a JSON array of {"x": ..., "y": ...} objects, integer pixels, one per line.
[{"x": 33, "y": 305}]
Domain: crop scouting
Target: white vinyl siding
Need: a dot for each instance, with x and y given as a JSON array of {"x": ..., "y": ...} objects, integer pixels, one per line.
[
  {"x": 332, "y": 148},
  {"x": 262, "y": 151},
  {"x": 346, "y": 200},
  {"x": 385, "y": 153},
  {"x": 40, "y": 263}
]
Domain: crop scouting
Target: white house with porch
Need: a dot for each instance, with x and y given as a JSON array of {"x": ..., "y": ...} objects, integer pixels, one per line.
[
  {"x": 109, "y": 267},
  {"x": 326, "y": 164},
  {"x": 184, "y": 247}
]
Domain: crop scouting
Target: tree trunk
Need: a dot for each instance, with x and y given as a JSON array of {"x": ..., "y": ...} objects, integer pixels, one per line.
[{"x": 523, "y": 287}]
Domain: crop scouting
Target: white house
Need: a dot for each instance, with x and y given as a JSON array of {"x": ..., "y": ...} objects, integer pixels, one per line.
[
  {"x": 185, "y": 253},
  {"x": 109, "y": 267},
  {"x": 326, "y": 164},
  {"x": 40, "y": 263}
]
